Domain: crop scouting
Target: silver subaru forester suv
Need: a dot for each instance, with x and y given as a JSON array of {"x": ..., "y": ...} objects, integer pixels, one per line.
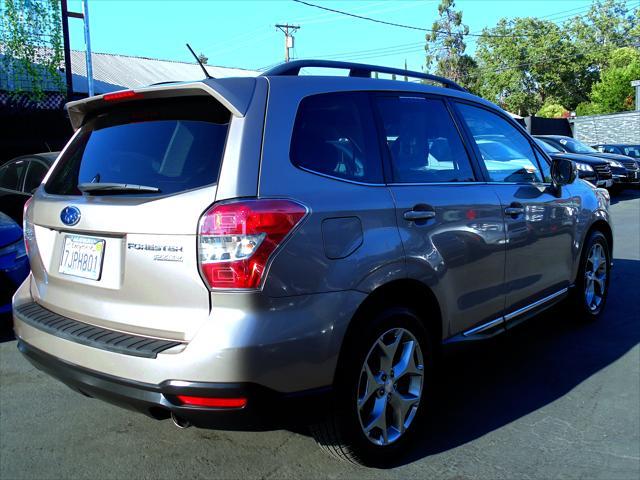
[{"x": 210, "y": 251}]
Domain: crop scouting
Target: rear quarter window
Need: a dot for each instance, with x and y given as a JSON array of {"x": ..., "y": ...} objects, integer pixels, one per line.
[
  {"x": 334, "y": 135},
  {"x": 173, "y": 145}
]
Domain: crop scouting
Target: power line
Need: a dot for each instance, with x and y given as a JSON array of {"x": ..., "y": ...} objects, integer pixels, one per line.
[
  {"x": 538, "y": 62},
  {"x": 373, "y": 50},
  {"x": 393, "y": 24}
]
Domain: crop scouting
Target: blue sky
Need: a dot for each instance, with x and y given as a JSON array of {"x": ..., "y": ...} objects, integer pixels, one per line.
[{"x": 241, "y": 33}]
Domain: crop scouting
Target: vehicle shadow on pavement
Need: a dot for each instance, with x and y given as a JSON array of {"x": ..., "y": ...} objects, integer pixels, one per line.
[
  {"x": 6, "y": 328},
  {"x": 488, "y": 385},
  {"x": 627, "y": 194}
]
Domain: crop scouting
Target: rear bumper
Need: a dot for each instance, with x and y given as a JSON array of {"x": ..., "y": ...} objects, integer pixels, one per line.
[
  {"x": 265, "y": 408},
  {"x": 286, "y": 345}
]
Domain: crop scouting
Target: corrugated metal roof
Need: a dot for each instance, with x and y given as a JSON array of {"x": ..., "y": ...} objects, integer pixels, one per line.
[{"x": 115, "y": 72}]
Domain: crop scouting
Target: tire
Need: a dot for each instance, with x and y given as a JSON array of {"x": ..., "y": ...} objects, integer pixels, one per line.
[
  {"x": 587, "y": 306},
  {"x": 342, "y": 433}
]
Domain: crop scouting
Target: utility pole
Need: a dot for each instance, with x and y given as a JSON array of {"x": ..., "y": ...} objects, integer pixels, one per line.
[
  {"x": 66, "y": 47},
  {"x": 66, "y": 14},
  {"x": 288, "y": 37},
  {"x": 87, "y": 42}
]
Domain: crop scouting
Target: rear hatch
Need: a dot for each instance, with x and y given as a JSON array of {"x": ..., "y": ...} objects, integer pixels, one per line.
[{"x": 112, "y": 234}]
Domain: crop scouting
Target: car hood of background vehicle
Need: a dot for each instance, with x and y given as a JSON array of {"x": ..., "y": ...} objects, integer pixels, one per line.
[
  {"x": 579, "y": 157},
  {"x": 10, "y": 231}
]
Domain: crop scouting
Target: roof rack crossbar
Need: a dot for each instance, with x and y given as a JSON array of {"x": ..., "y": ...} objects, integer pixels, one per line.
[{"x": 293, "y": 67}]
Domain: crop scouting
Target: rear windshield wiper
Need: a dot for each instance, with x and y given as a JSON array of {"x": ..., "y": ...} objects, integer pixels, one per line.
[{"x": 116, "y": 188}]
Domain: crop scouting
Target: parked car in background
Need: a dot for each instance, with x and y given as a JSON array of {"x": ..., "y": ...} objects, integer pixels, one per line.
[
  {"x": 14, "y": 264},
  {"x": 632, "y": 151},
  {"x": 218, "y": 251},
  {"x": 596, "y": 171},
  {"x": 625, "y": 170},
  {"x": 19, "y": 177}
]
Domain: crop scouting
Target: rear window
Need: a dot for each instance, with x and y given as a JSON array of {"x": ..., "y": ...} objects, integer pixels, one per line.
[
  {"x": 334, "y": 135},
  {"x": 173, "y": 145}
]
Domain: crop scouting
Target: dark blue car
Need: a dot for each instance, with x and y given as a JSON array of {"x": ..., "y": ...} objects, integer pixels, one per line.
[{"x": 14, "y": 264}]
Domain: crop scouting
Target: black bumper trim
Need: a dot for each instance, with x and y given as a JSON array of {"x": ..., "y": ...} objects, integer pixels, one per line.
[
  {"x": 98, "y": 337},
  {"x": 265, "y": 409}
]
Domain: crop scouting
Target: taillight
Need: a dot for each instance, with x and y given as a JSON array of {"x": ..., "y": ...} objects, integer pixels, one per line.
[
  {"x": 124, "y": 95},
  {"x": 237, "y": 239},
  {"x": 213, "y": 402}
]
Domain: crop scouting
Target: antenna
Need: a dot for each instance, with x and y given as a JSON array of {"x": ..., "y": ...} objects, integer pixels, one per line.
[{"x": 206, "y": 74}]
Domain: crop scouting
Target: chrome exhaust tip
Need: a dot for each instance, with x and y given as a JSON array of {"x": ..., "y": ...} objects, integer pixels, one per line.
[{"x": 179, "y": 421}]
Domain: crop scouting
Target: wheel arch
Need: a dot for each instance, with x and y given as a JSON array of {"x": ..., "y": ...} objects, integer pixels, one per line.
[
  {"x": 599, "y": 225},
  {"x": 404, "y": 292}
]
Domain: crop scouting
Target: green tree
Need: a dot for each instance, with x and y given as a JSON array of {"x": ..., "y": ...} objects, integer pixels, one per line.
[
  {"x": 552, "y": 110},
  {"x": 608, "y": 25},
  {"x": 614, "y": 93},
  {"x": 445, "y": 46},
  {"x": 30, "y": 46},
  {"x": 524, "y": 62}
]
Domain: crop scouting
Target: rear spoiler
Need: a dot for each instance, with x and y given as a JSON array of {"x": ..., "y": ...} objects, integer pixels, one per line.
[{"x": 234, "y": 93}]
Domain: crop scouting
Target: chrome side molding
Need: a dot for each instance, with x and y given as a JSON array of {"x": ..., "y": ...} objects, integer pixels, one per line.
[
  {"x": 534, "y": 305},
  {"x": 499, "y": 325},
  {"x": 484, "y": 327}
]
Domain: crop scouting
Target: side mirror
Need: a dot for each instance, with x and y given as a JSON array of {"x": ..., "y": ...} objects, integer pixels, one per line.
[{"x": 563, "y": 171}]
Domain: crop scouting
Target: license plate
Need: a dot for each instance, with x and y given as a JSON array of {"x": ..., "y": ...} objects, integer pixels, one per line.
[
  {"x": 82, "y": 256},
  {"x": 608, "y": 183}
]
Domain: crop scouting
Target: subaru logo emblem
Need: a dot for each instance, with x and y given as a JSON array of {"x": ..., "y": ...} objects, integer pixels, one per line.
[{"x": 70, "y": 215}]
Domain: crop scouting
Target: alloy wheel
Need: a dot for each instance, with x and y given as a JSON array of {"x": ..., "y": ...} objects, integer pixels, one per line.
[
  {"x": 595, "y": 274},
  {"x": 390, "y": 386}
]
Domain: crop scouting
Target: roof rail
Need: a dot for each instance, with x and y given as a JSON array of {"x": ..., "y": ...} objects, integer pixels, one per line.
[{"x": 355, "y": 70}]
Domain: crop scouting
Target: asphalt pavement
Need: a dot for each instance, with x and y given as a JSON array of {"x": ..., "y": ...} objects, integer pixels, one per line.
[{"x": 554, "y": 398}]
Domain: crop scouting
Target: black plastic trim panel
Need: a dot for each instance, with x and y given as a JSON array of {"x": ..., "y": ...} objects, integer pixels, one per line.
[
  {"x": 90, "y": 335},
  {"x": 266, "y": 409}
]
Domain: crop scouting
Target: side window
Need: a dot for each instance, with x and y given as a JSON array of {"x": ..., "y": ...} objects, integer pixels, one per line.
[
  {"x": 506, "y": 152},
  {"x": 334, "y": 135},
  {"x": 422, "y": 140},
  {"x": 35, "y": 174},
  {"x": 12, "y": 173}
]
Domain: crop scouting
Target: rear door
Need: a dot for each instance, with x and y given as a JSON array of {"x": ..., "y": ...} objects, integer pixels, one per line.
[
  {"x": 540, "y": 219},
  {"x": 450, "y": 223},
  {"x": 115, "y": 228}
]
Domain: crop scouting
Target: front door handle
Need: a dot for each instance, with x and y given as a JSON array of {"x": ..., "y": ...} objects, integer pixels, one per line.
[
  {"x": 413, "y": 215},
  {"x": 514, "y": 209}
]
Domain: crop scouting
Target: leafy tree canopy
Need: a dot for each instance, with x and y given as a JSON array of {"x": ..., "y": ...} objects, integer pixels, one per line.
[
  {"x": 552, "y": 110},
  {"x": 614, "y": 93},
  {"x": 525, "y": 63},
  {"x": 30, "y": 46}
]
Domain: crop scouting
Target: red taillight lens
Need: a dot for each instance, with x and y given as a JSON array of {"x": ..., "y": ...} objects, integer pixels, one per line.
[
  {"x": 212, "y": 402},
  {"x": 125, "y": 95},
  {"x": 237, "y": 239}
]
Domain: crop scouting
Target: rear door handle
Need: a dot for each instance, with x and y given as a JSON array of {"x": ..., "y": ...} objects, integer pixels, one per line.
[
  {"x": 514, "y": 210},
  {"x": 413, "y": 215}
]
